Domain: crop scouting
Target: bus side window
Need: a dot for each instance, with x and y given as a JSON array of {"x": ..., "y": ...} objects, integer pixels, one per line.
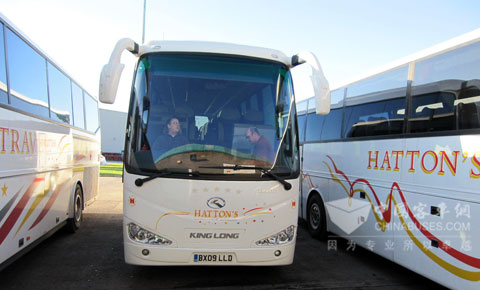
[
  {"x": 28, "y": 77},
  {"x": 3, "y": 70},
  {"x": 469, "y": 108},
  {"x": 314, "y": 126},
  {"x": 332, "y": 127},
  {"x": 374, "y": 103},
  {"x": 60, "y": 92},
  {"x": 301, "y": 127},
  {"x": 78, "y": 106},
  {"x": 433, "y": 112},
  {"x": 448, "y": 84},
  {"x": 375, "y": 119},
  {"x": 91, "y": 112}
]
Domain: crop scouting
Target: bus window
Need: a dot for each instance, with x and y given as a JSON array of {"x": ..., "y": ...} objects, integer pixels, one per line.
[
  {"x": 446, "y": 92},
  {"x": 78, "y": 107},
  {"x": 385, "y": 82},
  {"x": 314, "y": 127},
  {"x": 302, "y": 107},
  {"x": 469, "y": 107},
  {"x": 332, "y": 127},
  {"x": 28, "y": 77},
  {"x": 374, "y": 119},
  {"x": 301, "y": 127},
  {"x": 380, "y": 109},
  {"x": 432, "y": 112},
  {"x": 302, "y": 118},
  {"x": 324, "y": 128},
  {"x": 268, "y": 107},
  {"x": 60, "y": 92},
  {"x": 91, "y": 112},
  {"x": 3, "y": 70},
  {"x": 460, "y": 64}
]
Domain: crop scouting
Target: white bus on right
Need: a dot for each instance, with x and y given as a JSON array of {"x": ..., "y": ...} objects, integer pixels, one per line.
[{"x": 395, "y": 166}]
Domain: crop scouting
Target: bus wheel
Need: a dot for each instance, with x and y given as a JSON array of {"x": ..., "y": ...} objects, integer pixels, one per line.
[
  {"x": 317, "y": 226},
  {"x": 73, "y": 224}
]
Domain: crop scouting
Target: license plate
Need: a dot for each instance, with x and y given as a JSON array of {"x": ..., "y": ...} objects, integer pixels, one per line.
[{"x": 212, "y": 258}]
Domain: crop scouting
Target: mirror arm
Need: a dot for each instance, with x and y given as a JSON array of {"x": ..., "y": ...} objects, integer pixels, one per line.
[
  {"x": 123, "y": 44},
  {"x": 111, "y": 72}
]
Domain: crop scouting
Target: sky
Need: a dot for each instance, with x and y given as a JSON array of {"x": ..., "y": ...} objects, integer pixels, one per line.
[{"x": 348, "y": 37}]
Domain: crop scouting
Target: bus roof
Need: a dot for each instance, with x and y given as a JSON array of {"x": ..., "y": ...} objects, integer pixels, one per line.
[
  {"x": 215, "y": 47},
  {"x": 451, "y": 44},
  {"x": 9, "y": 24}
]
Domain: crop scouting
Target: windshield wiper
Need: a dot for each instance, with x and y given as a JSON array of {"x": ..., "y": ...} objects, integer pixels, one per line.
[
  {"x": 140, "y": 181},
  {"x": 265, "y": 171}
]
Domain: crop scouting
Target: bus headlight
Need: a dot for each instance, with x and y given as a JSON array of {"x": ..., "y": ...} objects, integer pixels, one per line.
[
  {"x": 143, "y": 236},
  {"x": 280, "y": 238}
]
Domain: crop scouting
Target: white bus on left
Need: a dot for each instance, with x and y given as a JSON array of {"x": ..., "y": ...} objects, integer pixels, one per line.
[{"x": 49, "y": 146}]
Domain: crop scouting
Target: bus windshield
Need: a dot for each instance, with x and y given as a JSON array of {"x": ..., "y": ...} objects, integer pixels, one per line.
[{"x": 206, "y": 113}]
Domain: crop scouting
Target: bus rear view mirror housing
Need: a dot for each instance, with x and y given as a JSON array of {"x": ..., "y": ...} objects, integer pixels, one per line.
[
  {"x": 320, "y": 84},
  {"x": 109, "y": 79},
  {"x": 111, "y": 72}
]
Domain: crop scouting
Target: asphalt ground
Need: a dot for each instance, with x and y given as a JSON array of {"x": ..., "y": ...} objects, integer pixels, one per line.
[{"x": 92, "y": 258}]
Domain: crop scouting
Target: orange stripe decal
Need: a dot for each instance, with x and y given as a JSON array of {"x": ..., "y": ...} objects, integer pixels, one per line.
[{"x": 49, "y": 204}]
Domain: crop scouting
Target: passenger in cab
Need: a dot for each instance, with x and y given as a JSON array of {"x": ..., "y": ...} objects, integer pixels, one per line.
[{"x": 261, "y": 146}]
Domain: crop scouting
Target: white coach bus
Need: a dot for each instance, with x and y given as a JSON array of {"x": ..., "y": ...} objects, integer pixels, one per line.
[
  {"x": 211, "y": 155},
  {"x": 395, "y": 166},
  {"x": 49, "y": 146}
]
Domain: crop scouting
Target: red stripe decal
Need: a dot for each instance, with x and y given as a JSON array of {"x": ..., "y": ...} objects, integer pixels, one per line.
[
  {"x": 61, "y": 139},
  {"x": 79, "y": 157},
  {"x": 252, "y": 210},
  {"x": 15, "y": 214}
]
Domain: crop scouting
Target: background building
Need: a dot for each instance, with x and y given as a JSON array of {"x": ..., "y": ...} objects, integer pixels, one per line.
[{"x": 113, "y": 124}]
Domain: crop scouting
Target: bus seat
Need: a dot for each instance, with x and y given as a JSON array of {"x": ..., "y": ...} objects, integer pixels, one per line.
[
  {"x": 183, "y": 111},
  {"x": 421, "y": 121},
  {"x": 396, "y": 126},
  {"x": 192, "y": 132},
  {"x": 377, "y": 126},
  {"x": 227, "y": 119},
  {"x": 253, "y": 117},
  {"x": 468, "y": 116},
  {"x": 229, "y": 114},
  {"x": 159, "y": 114},
  {"x": 211, "y": 132},
  {"x": 358, "y": 129}
]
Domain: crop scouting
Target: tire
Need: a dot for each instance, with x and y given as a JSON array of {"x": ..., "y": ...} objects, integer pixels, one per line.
[
  {"x": 73, "y": 224},
  {"x": 316, "y": 218}
]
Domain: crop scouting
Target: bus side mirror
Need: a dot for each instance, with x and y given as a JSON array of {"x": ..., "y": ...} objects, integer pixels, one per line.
[
  {"x": 111, "y": 72},
  {"x": 321, "y": 88},
  {"x": 109, "y": 79}
]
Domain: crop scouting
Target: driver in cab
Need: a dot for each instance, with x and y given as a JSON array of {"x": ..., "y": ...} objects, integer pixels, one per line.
[{"x": 172, "y": 139}]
